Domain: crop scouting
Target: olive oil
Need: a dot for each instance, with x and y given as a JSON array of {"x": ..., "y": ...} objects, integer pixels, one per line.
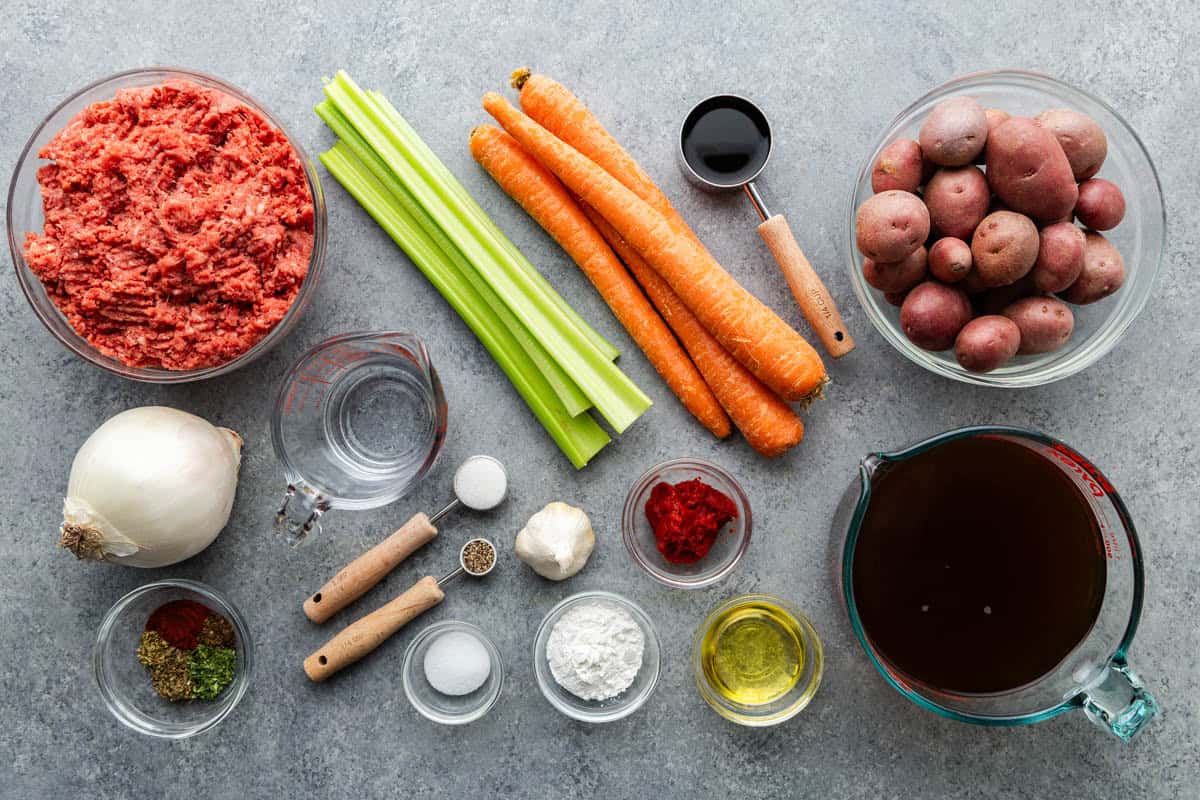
[{"x": 753, "y": 653}]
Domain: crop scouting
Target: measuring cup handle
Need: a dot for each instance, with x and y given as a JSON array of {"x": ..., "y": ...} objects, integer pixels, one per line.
[
  {"x": 364, "y": 635},
  {"x": 357, "y": 577},
  {"x": 813, "y": 298},
  {"x": 299, "y": 514},
  {"x": 1118, "y": 701}
]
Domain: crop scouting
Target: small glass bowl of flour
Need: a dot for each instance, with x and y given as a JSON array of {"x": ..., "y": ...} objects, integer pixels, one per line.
[
  {"x": 596, "y": 656},
  {"x": 452, "y": 673}
]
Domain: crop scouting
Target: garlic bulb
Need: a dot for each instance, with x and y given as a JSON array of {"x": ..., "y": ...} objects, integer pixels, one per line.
[
  {"x": 556, "y": 541},
  {"x": 150, "y": 487}
]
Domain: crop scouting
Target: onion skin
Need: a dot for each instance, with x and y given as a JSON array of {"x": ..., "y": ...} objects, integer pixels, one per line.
[{"x": 150, "y": 487}]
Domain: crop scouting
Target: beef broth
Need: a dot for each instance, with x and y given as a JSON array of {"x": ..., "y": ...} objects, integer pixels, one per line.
[{"x": 979, "y": 566}]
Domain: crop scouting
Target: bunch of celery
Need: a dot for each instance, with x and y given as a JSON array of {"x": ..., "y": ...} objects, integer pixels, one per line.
[{"x": 559, "y": 365}]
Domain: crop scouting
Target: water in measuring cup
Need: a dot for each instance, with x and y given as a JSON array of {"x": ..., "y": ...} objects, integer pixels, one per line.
[{"x": 379, "y": 423}]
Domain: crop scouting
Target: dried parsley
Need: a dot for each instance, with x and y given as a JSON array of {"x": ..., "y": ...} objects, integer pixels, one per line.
[{"x": 211, "y": 670}]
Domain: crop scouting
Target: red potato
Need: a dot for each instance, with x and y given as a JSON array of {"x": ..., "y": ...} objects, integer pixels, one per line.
[
  {"x": 895, "y": 298},
  {"x": 950, "y": 260},
  {"x": 890, "y": 225},
  {"x": 1102, "y": 274},
  {"x": 1004, "y": 248},
  {"x": 994, "y": 117},
  {"x": 1059, "y": 258},
  {"x": 954, "y": 132},
  {"x": 899, "y": 166},
  {"x": 896, "y": 276},
  {"x": 994, "y": 301},
  {"x": 1101, "y": 206},
  {"x": 933, "y": 314},
  {"x": 1081, "y": 138},
  {"x": 957, "y": 199},
  {"x": 986, "y": 343},
  {"x": 1046, "y": 323},
  {"x": 1029, "y": 172}
]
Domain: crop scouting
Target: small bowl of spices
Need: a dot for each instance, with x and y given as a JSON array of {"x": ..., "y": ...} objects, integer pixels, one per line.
[
  {"x": 596, "y": 656},
  {"x": 172, "y": 659},
  {"x": 687, "y": 523},
  {"x": 452, "y": 672}
]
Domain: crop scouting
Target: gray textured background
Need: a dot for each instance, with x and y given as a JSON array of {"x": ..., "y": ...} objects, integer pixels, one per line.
[{"x": 831, "y": 77}]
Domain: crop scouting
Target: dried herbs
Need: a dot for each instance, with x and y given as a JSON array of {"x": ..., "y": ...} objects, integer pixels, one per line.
[{"x": 203, "y": 666}]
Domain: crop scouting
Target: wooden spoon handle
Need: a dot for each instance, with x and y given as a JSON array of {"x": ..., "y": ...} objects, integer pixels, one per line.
[
  {"x": 362, "y": 636},
  {"x": 357, "y": 577},
  {"x": 810, "y": 293}
]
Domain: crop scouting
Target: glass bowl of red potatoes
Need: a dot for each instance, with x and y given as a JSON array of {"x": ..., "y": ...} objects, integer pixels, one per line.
[{"x": 1006, "y": 229}]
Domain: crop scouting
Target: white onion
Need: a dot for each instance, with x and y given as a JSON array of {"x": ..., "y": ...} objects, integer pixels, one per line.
[{"x": 150, "y": 487}]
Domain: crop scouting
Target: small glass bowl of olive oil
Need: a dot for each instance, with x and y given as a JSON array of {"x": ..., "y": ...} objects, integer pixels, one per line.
[{"x": 757, "y": 660}]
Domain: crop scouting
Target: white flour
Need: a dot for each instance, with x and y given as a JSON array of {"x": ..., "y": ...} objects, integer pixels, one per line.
[{"x": 595, "y": 650}]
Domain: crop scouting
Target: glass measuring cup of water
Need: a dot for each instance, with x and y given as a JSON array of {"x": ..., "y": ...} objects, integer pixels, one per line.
[
  {"x": 358, "y": 421},
  {"x": 1095, "y": 674}
]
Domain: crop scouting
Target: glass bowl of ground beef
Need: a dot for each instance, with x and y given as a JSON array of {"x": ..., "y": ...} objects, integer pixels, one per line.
[{"x": 166, "y": 227}]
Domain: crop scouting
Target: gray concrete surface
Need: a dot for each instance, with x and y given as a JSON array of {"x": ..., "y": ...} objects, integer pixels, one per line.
[{"x": 831, "y": 76}]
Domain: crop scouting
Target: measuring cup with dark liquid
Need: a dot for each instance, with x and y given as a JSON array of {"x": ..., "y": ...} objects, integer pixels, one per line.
[
  {"x": 993, "y": 575},
  {"x": 724, "y": 145}
]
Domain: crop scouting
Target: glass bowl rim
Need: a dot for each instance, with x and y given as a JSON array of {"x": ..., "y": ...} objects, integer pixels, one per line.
[
  {"x": 544, "y": 676},
  {"x": 408, "y": 665},
  {"x": 30, "y": 285},
  {"x": 241, "y": 681},
  {"x": 1105, "y": 338},
  {"x": 629, "y": 511},
  {"x": 805, "y": 697}
]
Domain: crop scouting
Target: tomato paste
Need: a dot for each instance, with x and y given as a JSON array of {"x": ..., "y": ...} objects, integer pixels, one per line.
[
  {"x": 178, "y": 226},
  {"x": 686, "y": 518}
]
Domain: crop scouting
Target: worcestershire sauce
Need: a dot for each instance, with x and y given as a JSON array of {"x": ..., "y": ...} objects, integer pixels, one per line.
[
  {"x": 979, "y": 566},
  {"x": 726, "y": 140}
]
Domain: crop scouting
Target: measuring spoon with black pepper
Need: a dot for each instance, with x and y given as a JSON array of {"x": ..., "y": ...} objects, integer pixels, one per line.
[{"x": 476, "y": 558}]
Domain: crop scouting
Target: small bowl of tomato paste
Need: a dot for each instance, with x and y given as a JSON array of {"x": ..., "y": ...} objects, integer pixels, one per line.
[
  {"x": 164, "y": 226},
  {"x": 686, "y": 522}
]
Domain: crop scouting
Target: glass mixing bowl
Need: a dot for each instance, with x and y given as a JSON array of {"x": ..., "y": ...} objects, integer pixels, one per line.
[
  {"x": 125, "y": 684},
  {"x": 1140, "y": 237},
  {"x": 25, "y": 214},
  {"x": 613, "y": 708}
]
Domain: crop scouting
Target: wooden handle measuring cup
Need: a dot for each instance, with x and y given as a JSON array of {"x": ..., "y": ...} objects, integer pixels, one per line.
[{"x": 807, "y": 287}]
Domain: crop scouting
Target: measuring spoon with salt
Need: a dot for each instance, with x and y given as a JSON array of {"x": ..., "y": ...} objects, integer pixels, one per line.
[
  {"x": 480, "y": 484},
  {"x": 476, "y": 558}
]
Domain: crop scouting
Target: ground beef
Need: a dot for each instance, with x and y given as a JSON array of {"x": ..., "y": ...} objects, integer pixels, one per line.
[{"x": 178, "y": 226}]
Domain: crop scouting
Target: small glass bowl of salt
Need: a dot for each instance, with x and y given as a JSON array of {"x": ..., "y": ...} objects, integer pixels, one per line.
[{"x": 452, "y": 673}]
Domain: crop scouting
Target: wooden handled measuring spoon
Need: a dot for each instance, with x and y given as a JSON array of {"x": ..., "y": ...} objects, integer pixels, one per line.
[
  {"x": 476, "y": 558},
  {"x": 724, "y": 144},
  {"x": 480, "y": 484}
]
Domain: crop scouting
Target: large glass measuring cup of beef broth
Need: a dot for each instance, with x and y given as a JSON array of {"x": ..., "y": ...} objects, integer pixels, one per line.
[
  {"x": 358, "y": 421},
  {"x": 993, "y": 575}
]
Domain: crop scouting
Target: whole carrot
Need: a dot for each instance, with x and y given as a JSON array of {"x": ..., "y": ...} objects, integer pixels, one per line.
[
  {"x": 558, "y": 110},
  {"x": 551, "y": 206},
  {"x": 769, "y": 425},
  {"x": 752, "y": 332}
]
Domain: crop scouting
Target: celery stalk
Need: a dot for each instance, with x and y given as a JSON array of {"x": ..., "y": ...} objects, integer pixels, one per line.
[
  {"x": 446, "y": 177},
  {"x": 617, "y": 398},
  {"x": 572, "y": 398},
  {"x": 579, "y": 437}
]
